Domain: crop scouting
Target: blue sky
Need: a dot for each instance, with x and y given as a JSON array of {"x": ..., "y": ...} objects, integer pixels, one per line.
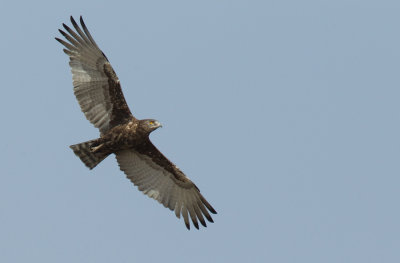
[{"x": 284, "y": 113}]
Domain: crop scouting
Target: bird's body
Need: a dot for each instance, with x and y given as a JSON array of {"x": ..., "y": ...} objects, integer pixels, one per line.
[
  {"x": 121, "y": 137},
  {"x": 98, "y": 91}
]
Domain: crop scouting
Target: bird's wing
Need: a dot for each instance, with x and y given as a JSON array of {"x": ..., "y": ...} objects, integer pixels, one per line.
[
  {"x": 161, "y": 180},
  {"x": 96, "y": 86}
]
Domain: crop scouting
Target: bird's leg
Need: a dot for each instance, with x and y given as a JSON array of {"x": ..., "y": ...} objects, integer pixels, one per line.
[{"x": 96, "y": 146}]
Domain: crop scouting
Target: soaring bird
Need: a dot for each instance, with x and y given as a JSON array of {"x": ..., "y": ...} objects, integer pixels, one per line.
[{"x": 98, "y": 91}]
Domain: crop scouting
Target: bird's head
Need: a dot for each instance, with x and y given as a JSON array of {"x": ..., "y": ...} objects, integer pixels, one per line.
[{"x": 149, "y": 125}]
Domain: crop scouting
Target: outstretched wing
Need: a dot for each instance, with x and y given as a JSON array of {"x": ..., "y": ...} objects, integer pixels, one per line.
[
  {"x": 96, "y": 86},
  {"x": 161, "y": 180}
]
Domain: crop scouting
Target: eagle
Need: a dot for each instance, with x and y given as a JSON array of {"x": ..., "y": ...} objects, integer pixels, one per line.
[{"x": 98, "y": 91}]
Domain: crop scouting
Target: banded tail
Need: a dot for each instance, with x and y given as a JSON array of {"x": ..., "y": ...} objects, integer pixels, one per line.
[{"x": 90, "y": 159}]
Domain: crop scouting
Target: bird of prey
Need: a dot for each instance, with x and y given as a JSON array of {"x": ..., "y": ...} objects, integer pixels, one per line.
[{"x": 98, "y": 91}]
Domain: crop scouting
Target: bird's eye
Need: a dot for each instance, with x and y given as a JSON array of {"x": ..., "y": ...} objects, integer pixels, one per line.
[{"x": 151, "y": 122}]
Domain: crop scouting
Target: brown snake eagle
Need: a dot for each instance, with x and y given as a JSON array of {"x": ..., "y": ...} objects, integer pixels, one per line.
[{"x": 98, "y": 91}]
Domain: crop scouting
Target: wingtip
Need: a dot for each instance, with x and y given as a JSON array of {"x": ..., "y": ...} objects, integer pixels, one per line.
[
  {"x": 82, "y": 22},
  {"x": 203, "y": 222},
  {"x": 73, "y": 21},
  {"x": 66, "y": 28}
]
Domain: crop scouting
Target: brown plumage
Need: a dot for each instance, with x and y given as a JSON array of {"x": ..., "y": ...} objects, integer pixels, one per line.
[{"x": 98, "y": 91}]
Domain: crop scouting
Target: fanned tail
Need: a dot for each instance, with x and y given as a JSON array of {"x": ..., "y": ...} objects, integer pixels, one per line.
[{"x": 90, "y": 159}]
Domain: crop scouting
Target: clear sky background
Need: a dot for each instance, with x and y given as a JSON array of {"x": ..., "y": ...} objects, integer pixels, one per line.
[{"x": 285, "y": 114}]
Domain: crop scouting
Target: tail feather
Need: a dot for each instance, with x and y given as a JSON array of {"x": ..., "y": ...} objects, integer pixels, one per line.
[{"x": 90, "y": 159}]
